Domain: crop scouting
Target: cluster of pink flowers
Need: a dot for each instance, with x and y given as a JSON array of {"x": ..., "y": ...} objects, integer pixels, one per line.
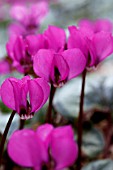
[{"x": 54, "y": 59}]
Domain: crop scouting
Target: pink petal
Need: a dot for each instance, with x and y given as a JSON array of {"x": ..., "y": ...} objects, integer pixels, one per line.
[
  {"x": 34, "y": 43},
  {"x": 44, "y": 133},
  {"x": 42, "y": 63},
  {"x": 103, "y": 25},
  {"x": 39, "y": 11},
  {"x": 19, "y": 49},
  {"x": 64, "y": 149},
  {"x": 19, "y": 13},
  {"x": 36, "y": 95},
  {"x": 10, "y": 46},
  {"x": 61, "y": 65},
  {"x": 103, "y": 45},
  {"x": 92, "y": 57},
  {"x": 64, "y": 131},
  {"x": 7, "y": 94},
  {"x": 26, "y": 149},
  {"x": 86, "y": 23},
  {"x": 45, "y": 87},
  {"x": 76, "y": 61},
  {"x": 77, "y": 40},
  {"x": 16, "y": 29},
  {"x": 56, "y": 37},
  {"x": 20, "y": 90}
]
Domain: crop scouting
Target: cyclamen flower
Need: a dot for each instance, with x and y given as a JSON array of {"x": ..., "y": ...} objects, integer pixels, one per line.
[
  {"x": 25, "y": 96},
  {"x": 50, "y": 147},
  {"x": 57, "y": 68},
  {"x": 54, "y": 63},
  {"x": 20, "y": 50},
  {"x": 28, "y": 18},
  {"x": 96, "y": 47}
]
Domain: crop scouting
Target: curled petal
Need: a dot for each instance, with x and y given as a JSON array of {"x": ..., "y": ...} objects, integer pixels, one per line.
[
  {"x": 26, "y": 149},
  {"x": 76, "y": 61}
]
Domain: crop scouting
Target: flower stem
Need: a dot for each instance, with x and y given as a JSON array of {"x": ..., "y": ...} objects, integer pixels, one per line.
[
  {"x": 22, "y": 123},
  {"x": 49, "y": 111},
  {"x": 5, "y": 134},
  {"x": 80, "y": 120}
]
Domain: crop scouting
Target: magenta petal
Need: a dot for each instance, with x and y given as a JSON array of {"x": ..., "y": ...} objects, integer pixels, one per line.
[
  {"x": 7, "y": 94},
  {"x": 42, "y": 63},
  {"x": 103, "y": 25},
  {"x": 16, "y": 29},
  {"x": 19, "y": 49},
  {"x": 36, "y": 95},
  {"x": 77, "y": 40},
  {"x": 45, "y": 87},
  {"x": 34, "y": 43},
  {"x": 64, "y": 149},
  {"x": 86, "y": 23},
  {"x": 19, "y": 13},
  {"x": 56, "y": 37},
  {"x": 103, "y": 45},
  {"x": 38, "y": 11},
  {"x": 20, "y": 93},
  {"x": 76, "y": 61},
  {"x": 64, "y": 131},
  {"x": 26, "y": 149},
  {"x": 61, "y": 65},
  {"x": 44, "y": 133},
  {"x": 10, "y": 45}
]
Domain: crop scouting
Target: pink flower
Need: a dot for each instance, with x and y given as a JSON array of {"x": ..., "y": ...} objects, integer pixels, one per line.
[
  {"x": 96, "y": 25},
  {"x": 25, "y": 96},
  {"x": 96, "y": 47},
  {"x": 57, "y": 68},
  {"x": 28, "y": 18},
  {"x": 49, "y": 147},
  {"x": 20, "y": 50}
]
